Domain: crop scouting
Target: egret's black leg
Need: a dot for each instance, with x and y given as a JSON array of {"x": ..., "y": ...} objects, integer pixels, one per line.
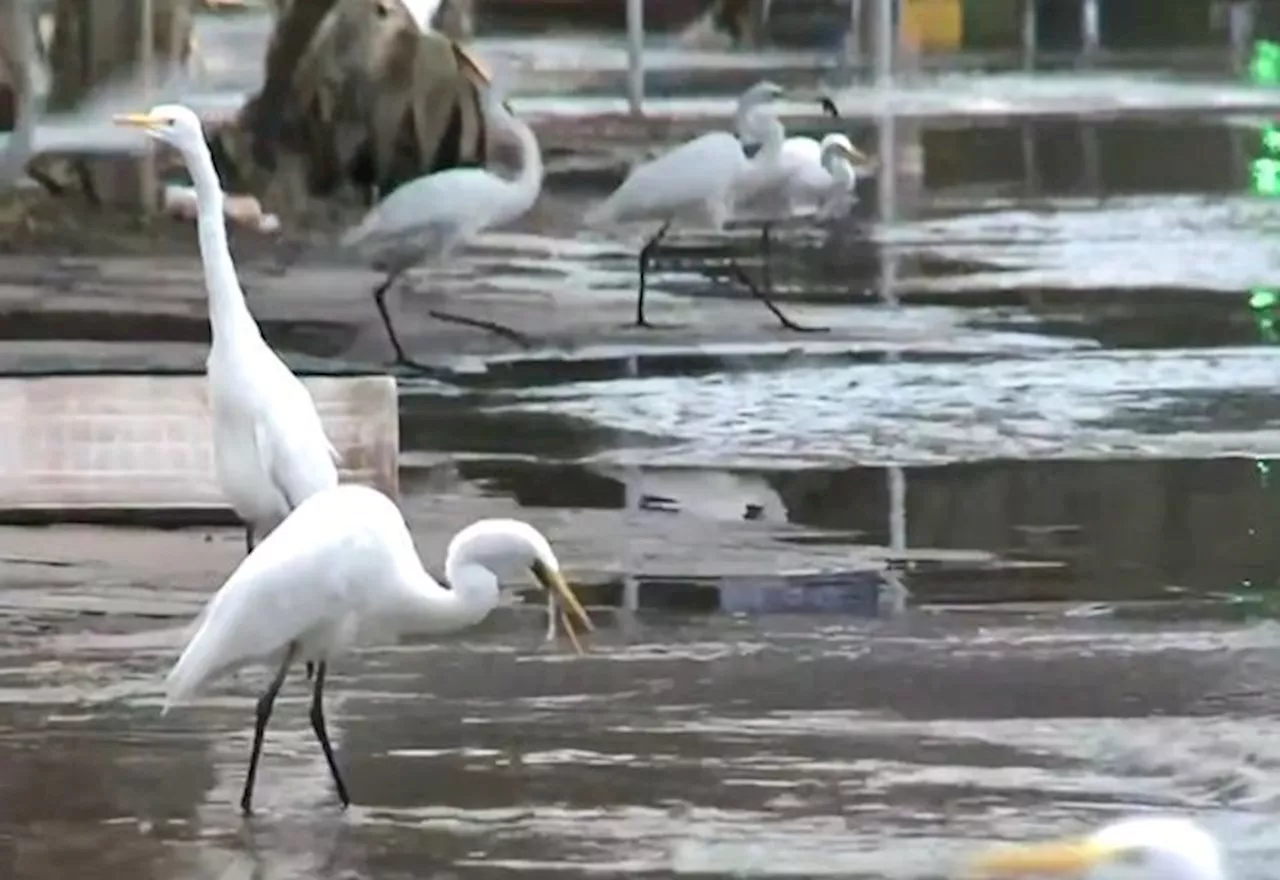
[
  {"x": 311, "y": 670},
  {"x": 746, "y": 282},
  {"x": 317, "y": 724},
  {"x": 646, "y": 254},
  {"x": 766, "y": 254},
  {"x": 248, "y": 539},
  {"x": 265, "y": 704},
  {"x": 380, "y": 300},
  {"x": 491, "y": 326}
]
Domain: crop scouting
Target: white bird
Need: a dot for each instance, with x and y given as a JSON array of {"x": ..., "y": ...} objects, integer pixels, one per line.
[
  {"x": 817, "y": 182},
  {"x": 270, "y": 449},
  {"x": 1164, "y": 848},
  {"x": 427, "y": 219},
  {"x": 695, "y": 185},
  {"x": 423, "y": 12},
  {"x": 340, "y": 571}
]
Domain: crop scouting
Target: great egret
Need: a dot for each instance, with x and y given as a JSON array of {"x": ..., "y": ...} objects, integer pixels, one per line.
[
  {"x": 817, "y": 181},
  {"x": 270, "y": 449},
  {"x": 342, "y": 570},
  {"x": 695, "y": 185},
  {"x": 1165, "y": 848},
  {"x": 426, "y": 220}
]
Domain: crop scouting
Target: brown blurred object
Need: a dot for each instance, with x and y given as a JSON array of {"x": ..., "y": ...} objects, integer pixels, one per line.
[{"x": 354, "y": 96}]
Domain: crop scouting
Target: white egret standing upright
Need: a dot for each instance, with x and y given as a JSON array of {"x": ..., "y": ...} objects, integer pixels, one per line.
[
  {"x": 1165, "y": 848},
  {"x": 427, "y": 219},
  {"x": 270, "y": 449},
  {"x": 817, "y": 181},
  {"x": 695, "y": 183},
  {"x": 342, "y": 570}
]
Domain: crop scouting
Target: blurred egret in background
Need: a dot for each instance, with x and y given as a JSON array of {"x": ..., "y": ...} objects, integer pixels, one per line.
[
  {"x": 696, "y": 183},
  {"x": 427, "y": 219},
  {"x": 817, "y": 181}
]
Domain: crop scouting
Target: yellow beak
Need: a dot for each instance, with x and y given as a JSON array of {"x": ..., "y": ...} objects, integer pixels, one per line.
[
  {"x": 572, "y": 611},
  {"x": 468, "y": 58},
  {"x": 857, "y": 157},
  {"x": 1076, "y": 856},
  {"x": 144, "y": 121}
]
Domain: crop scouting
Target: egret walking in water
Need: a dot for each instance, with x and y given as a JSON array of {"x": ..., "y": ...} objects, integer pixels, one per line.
[
  {"x": 428, "y": 219},
  {"x": 342, "y": 570},
  {"x": 817, "y": 181},
  {"x": 1163, "y": 848},
  {"x": 270, "y": 449},
  {"x": 696, "y": 183}
]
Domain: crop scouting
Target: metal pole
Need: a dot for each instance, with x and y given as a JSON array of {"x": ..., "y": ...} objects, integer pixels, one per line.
[
  {"x": 1242, "y": 19},
  {"x": 1030, "y": 33},
  {"x": 1090, "y": 29},
  {"x": 146, "y": 57},
  {"x": 886, "y": 41},
  {"x": 854, "y": 47},
  {"x": 635, "y": 56}
]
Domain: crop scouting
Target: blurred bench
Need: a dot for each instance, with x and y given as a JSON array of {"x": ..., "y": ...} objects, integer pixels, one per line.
[{"x": 141, "y": 447}]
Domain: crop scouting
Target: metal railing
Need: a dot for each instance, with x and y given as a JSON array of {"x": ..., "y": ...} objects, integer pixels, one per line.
[{"x": 1242, "y": 15}]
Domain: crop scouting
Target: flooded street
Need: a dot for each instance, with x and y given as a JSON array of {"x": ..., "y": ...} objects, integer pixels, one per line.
[{"x": 997, "y": 557}]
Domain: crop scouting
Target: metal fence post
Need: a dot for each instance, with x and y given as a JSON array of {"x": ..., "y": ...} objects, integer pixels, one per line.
[{"x": 635, "y": 56}]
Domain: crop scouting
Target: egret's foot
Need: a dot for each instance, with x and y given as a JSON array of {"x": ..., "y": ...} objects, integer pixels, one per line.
[
  {"x": 645, "y": 324},
  {"x": 742, "y": 278},
  {"x": 502, "y": 330},
  {"x": 407, "y": 363}
]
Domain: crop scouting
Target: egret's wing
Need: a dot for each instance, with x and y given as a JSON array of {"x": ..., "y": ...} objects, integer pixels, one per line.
[
  {"x": 292, "y": 444},
  {"x": 300, "y": 578},
  {"x": 693, "y": 172},
  {"x": 457, "y": 197}
]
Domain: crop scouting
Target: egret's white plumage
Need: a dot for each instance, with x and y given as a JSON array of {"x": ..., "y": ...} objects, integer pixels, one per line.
[
  {"x": 423, "y": 12},
  {"x": 1163, "y": 847},
  {"x": 817, "y": 180},
  {"x": 270, "y": 449},
  {"x": 427, "y": 219},
  {"x": 342, "y": 570},
  {"x": 694, "y": 185}
]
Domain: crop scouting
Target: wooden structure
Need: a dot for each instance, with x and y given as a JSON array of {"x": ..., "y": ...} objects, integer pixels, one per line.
[{"x": 136, "y": 443}]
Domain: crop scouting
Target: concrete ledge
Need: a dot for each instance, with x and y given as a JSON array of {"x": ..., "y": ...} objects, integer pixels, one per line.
[{"x": 95, "y": 444}]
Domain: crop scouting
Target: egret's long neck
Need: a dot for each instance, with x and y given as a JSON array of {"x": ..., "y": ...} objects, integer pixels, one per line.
[
  {"x": 839, "y": 167},
  {"x": 759, "y": 125},
  {"x": 524, "y": 189},
  {"x": 228, "y": 314},
  {"x": 528, "y": 182},
  {"x": 472, "y": 594}
]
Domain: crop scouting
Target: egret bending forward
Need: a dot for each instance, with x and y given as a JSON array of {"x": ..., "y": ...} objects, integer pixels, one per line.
[
  {"x": 817, "y": 182},
  {"x": 270, "y": 450},
  {"x": 695, "y": 185},
  {"x": 1165, "y": 848},
  {"x": 427, "y": 219},
  {"x": 342, "y": 570}
]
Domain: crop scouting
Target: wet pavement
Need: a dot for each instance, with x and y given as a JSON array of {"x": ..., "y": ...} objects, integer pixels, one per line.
[{"x": 1039, "y": 435}]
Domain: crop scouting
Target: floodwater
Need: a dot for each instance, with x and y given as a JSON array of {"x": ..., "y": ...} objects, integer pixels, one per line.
[{"x": 1057, "y": 433}]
